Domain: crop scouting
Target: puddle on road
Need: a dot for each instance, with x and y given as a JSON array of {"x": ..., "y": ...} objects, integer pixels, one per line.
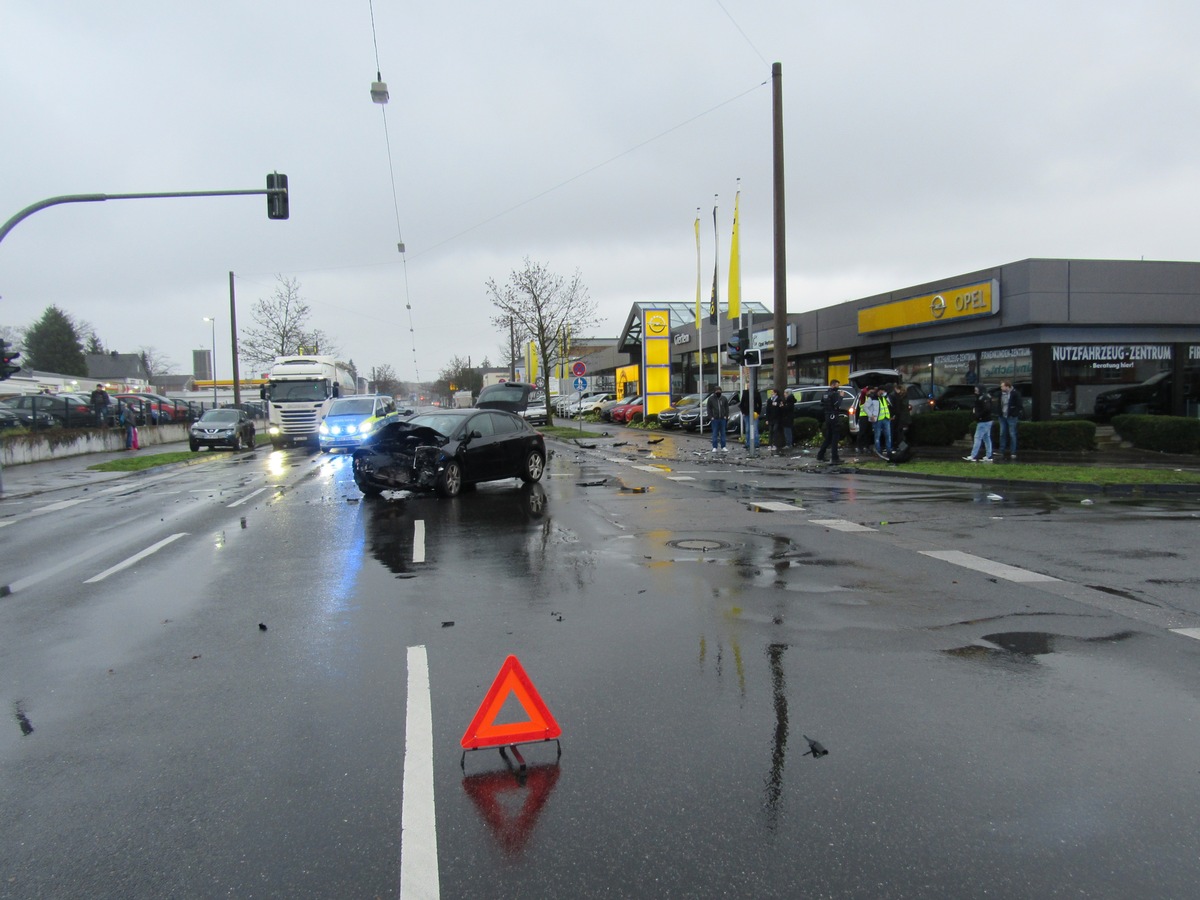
[{"x": 1025, "y": 646}]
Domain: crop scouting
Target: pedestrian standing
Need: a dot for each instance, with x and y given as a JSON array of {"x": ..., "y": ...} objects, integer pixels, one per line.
[
  {"x": 831, "y": 412},
  {"x": 859, "y": 411},
  {"x": 771, "y": 415},
  {"x": 1011, "y": 407},
  {"x": 717, "y": 409},
  {"x": 100, "y": 401},
  {"x": 750, "y": 413},
  {"x": 983, "y": 425},
  {"x": 879, "y": 411},
  {"x": 901, "y": 414},
  {"x": 787, "y": 417},
  {"x": 128, "y": 417}
]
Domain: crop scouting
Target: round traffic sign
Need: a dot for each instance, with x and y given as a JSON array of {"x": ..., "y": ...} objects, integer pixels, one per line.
[{"x": 578, "y": 369}]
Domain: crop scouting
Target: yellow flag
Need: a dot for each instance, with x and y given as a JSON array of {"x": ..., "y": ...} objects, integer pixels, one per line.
[
  {"x": 697, "y": 271},
  {"x": 735, "y": 267},
  {"x": 531, "y": 362}
]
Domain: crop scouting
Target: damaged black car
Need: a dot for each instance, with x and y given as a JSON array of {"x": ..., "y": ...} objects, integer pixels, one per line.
[{"x": 448, "y": 451}]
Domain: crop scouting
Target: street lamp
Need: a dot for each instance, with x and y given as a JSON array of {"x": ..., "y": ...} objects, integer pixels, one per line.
[{"x": 212, "y": 364}]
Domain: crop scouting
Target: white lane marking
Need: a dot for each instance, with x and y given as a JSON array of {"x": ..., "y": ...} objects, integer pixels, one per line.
[
  {"x": 777, "y": 506},
  {"x": 419, "y": 541},
  {"x": 841, "y": 525},
  {"x": 49, "y": 507},
  {"x": 125, "y": 564},
  {"x": 657, "y": 470},
  {"x": 680, "y": 478},
  {"x": 249, "y": 496},
  {"x": 418, "y": 825},
  {"x": 1188, "y": 632},
  {"x": 987, "y": 566}
]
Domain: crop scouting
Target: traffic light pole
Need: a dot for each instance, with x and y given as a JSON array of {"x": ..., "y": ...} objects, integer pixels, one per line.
[{"x": 96, "y": 198}]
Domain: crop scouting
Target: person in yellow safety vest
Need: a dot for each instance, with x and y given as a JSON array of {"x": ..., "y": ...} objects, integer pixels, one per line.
[{"x": 880, "y": 415}]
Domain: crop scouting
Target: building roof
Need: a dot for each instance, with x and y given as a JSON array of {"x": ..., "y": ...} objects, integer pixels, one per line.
[{"x": 116, "y": 366}]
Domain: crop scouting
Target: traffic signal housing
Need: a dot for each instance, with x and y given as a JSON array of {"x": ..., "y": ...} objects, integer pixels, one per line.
[
  {"x": 752, "y": 358},
  {"x": 277, "y": 200},
  {"x": 736, "y": 348},
  {"x": 8, "y": 364}
]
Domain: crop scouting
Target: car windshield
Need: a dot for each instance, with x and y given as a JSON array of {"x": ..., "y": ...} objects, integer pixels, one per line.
[
  {"x": 352, "y": 406},
  {"x": 296, "y": 391},
  {"x": 220, "y": 416}
]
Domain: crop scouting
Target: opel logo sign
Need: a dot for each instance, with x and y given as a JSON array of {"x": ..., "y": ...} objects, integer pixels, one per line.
[
  {"x": 938, "y": 306},
  {"x": 658, "y": 325}
]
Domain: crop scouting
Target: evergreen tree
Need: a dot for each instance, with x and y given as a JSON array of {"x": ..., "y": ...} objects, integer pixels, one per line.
[{"x": 52, "y": 344}]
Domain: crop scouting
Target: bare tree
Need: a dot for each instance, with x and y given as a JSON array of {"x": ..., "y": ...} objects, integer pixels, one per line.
[
  {"x": 383, "y": 379},
  {"x": 155, "y": 362},
  {"x": 280, "y": 328},
  {"x": 548, "y": 308}
]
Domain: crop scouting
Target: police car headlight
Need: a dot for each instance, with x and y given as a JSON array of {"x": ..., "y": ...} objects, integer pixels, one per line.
[
  {"x": 323, "y": 429},
  {"x": 351, "y": 429}
]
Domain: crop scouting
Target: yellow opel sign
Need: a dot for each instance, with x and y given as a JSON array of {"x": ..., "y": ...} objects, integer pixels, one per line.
[{"x": 968, "y": 302}]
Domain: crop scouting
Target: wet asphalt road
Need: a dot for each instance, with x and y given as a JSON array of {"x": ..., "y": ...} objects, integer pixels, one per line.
[{"x": 692, "y": 624}]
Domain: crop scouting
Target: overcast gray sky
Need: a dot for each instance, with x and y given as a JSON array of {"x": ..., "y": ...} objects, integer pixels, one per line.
[{"x": 923, "y": 139}]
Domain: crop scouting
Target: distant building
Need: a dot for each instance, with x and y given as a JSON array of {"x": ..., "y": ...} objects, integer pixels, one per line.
[{"x": 124, "y": 371}]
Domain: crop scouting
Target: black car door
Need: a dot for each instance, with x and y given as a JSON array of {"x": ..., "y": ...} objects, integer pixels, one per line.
[
  {"x": 479, "y": 454},
  {"x": 510, "y": 444}
]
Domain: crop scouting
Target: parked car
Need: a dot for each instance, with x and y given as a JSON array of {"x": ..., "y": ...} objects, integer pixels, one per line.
[
  {"x": 535, "y": 410},
  {"x": 350, "y": 419},
  {"x": 1150, "y": 396},
  {"x": 695, "y": 417},
  {"x": 605, "y": 409},
  {"x": 624, "y": 412},
  {"x": 669, "y": 417},
  {"x": 919, "y": 400},
  {"x": 589, "y": 404},
  {"x": 25, "y": 418},
  {"x": 810, "y": 397},
  {"x": 69, "y": 410},
  {"x": 231, "y": 428},
  {"x": 159, "y": 410},
  {"x": 962, "y": 396},
  {"x": 448, "y": 450},
  {"x": 563, "y": 402}
]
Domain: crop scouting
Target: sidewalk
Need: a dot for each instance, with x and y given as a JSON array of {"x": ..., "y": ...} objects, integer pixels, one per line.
[{"x": 31, "y": 479}]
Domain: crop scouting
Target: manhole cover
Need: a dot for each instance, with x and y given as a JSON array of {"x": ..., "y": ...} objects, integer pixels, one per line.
[{"x": 702, "y": 545}]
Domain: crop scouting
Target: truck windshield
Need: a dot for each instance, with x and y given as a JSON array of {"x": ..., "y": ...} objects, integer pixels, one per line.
[{"x": 297, "y": 391}]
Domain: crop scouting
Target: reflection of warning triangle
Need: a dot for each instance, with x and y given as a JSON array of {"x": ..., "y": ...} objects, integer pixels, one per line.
[
  {"x": 511, "y": 681},
  {"x": 513, "y": 822}
]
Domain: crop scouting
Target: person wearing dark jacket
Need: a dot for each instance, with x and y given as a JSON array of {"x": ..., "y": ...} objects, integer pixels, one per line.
[
  {"x": 787, "y": 417},
  {"x": 747, "y": 417},
  {"x": 1009, "y": 415},
  {"x": 717, "y": 409},
  {"x": 831, "y": 412},
  {"x": 901, "y": 413},
  {"x": 983, "y": 425}
]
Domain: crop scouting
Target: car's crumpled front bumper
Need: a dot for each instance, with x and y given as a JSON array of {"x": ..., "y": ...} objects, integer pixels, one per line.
[{"x": 409, "y": 471}]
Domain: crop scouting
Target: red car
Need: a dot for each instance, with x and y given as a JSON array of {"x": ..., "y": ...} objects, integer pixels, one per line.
[{"x": 622, "y": 413}]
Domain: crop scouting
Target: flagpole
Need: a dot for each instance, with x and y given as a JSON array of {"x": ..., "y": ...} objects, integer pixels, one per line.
[
  {"x": 716, "y": 300},
  {"x": 699, "y": 318}
]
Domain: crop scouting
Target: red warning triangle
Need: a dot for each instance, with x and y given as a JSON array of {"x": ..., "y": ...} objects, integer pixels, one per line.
[{"x": 512, "y": 681}]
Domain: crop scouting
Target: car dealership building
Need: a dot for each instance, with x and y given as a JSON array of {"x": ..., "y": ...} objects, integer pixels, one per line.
[{"x": 1068, "y": 333}]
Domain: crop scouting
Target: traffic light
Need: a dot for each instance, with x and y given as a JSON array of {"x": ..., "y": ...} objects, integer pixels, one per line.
[
  {"x": 8, "y": 365},
  {"x": 752, "y": 358},
  {"x": 736, "y": 348},
  {"x": 277, "y": 201}
]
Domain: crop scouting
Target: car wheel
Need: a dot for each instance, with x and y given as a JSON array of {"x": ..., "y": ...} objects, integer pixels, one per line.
[
  {"x": 450, "y": 482},
  {"x": 534, "y": 466},
  {"x": 236, "y": 443},
  {"x": 363, "y": 484},
  {"x": 194, "y": 446},
  {"x": 251, "y": 444}
]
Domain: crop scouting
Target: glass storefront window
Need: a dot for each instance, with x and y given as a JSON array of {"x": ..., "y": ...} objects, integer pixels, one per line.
[
  {"x": 1105, "y": 380},
  {"x": 1191, "y": 382}
]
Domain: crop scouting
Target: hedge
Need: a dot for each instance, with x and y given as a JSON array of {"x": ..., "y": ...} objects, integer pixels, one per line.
[
  {"x": 941, "y": 429},
  {"x": 1167, "y": 434}
]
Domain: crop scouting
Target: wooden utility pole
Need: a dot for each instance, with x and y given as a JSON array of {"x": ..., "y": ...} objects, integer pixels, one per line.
[{"x": 779, "y": 371}]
